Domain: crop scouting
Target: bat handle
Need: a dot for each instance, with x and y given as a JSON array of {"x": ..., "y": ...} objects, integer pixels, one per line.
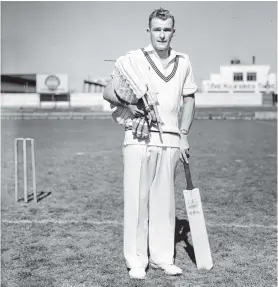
[{"x": 190, "y": 185}]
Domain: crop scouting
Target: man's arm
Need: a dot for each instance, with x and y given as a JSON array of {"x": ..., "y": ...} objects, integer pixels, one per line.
[
  {"x": 111, "y": 96},
  {"x": 185, "y": 124},
  {"x": 187, "y": 113}
]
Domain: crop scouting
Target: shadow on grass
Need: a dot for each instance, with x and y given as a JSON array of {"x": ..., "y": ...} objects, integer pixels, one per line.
[
  {"x": 181, "y": 235},
  {"x": 40, "y": 196}
]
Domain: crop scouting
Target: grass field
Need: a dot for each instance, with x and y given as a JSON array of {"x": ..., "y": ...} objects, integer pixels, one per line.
[{"x": 73, "y": 235}]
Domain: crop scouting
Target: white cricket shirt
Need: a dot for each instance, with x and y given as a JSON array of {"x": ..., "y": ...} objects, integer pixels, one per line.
[{"x": 170, "y": 83}]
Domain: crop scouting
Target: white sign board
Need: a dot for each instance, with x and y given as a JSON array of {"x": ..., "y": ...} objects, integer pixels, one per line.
[
  {"x": 52, "y": 84},
  {"x": 243, "y": 86}
]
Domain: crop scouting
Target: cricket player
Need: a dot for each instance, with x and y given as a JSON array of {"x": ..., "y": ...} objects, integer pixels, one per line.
[{"x": 150, "y": 161}]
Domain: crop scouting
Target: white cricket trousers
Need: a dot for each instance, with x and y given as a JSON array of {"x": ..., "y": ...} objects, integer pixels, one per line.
[{"x": 149, "y": 204}]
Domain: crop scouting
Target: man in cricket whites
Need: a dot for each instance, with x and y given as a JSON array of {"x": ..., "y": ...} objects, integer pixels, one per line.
[{"x": 149, "y": 87}]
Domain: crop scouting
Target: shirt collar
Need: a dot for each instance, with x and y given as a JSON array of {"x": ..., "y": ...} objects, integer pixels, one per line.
[{"x": 173, "y": 53}]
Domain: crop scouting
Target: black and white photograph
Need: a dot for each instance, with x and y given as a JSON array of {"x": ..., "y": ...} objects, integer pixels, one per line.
[{"x": 138, "y": 143}]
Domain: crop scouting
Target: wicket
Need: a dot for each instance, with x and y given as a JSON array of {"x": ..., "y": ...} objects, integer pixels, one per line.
[{"x": 32, "y": 147}]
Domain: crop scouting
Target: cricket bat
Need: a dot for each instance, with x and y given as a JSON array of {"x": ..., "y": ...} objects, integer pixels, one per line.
[{"x": 197, "y": 223}]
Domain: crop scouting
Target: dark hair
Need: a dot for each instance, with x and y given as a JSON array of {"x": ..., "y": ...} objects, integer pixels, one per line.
[{"x": 161, "y": 14}]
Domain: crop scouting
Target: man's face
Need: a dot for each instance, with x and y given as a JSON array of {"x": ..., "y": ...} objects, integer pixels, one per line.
[{"x": 161, "y": 32}]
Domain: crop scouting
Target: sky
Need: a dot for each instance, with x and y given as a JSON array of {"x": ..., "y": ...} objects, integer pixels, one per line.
[{"x": 75, "y": 38}]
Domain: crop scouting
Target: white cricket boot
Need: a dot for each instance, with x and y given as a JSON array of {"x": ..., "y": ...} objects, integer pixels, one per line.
[
  {"x": 137, "y": 273},
  {"x": 169, "y": 269}
]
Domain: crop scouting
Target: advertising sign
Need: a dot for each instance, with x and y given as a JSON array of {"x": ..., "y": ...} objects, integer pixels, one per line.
[
  {"x": 52, "y": 84},
  {"x": 209, "y": 86}
]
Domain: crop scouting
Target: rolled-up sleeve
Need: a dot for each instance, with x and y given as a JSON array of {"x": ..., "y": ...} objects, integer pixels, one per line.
[{"x": 189, "y": 86}]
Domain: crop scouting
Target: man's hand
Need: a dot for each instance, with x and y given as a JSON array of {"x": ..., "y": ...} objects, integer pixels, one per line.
[
  {"x": 184, "y": 149},
  {"x": 137, "y": 112}
]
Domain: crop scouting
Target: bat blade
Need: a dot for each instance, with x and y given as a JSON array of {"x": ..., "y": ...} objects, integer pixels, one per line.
[{"x": 198, "y": 228}]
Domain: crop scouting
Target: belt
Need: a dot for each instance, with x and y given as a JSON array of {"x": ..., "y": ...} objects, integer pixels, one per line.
[{"x": 154, "y": 131}]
